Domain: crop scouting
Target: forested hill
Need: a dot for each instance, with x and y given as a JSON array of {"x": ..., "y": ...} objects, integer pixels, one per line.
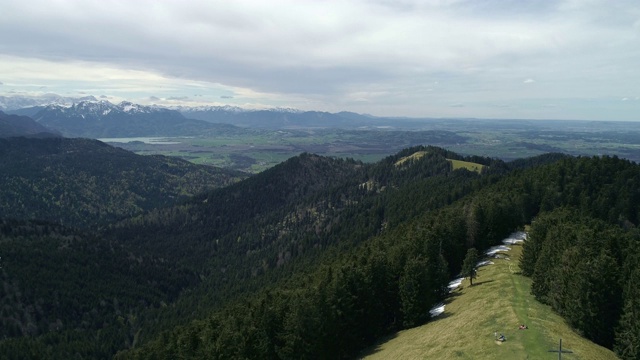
[
  {"x": 391, "y": 280},
  {"x": 81, "y": 182},
  {"x": 69, "y": 294},
  {"x": 294, "y": 207},
  {"x": 320, "y": 257},
  {"x": 14, "y": 125}
]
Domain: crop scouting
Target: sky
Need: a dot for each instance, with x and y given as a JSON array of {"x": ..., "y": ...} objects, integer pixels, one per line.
[{"x": 529, "y": 59}]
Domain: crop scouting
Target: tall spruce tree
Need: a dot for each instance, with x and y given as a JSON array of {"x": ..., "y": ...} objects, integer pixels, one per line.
[{"x": 469, "y": 265}]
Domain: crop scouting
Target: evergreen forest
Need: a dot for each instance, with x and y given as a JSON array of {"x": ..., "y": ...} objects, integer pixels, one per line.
[{"x": 107, "y": 254}]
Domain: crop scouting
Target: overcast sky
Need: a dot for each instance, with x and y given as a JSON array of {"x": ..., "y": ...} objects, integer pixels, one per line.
[{"x": 535, "y": 59}]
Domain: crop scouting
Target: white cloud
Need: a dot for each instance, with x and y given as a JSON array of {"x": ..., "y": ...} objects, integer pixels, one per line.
[
  {"x": 305, "y": 53},
  {"x": 529, "y": 81}
]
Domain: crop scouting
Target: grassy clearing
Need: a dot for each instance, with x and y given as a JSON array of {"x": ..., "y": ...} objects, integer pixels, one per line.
[
  {"x": 459, "y": 164},
  {"x": 415, "y": 156},
  {"x": 499, "y": 301}
]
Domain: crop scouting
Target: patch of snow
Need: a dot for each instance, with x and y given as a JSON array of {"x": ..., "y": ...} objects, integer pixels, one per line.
[
  {"x": 130, "y": 107},
  {"x": 454, "y": 284},
  {"x": 203, "y": 108},
  {"x": 496, "y": 249},
  {"x": 515, "y": 238},
  {"x": 285, "y": 110},
  {"x": 437, "y": 310},
  {"x": 484, "y": 263}
]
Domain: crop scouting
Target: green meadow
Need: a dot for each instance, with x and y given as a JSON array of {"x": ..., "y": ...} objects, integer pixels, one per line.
[
  {"x": 499, "y": 301},
  {"x": 459, "y": 164}
]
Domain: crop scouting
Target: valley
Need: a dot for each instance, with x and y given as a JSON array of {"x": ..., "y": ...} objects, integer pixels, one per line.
[
  {"x": 258, "y": 150},
  {"x": 255, "y": 140}
]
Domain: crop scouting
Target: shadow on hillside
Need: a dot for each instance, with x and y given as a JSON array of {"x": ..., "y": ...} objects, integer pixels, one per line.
[
  {"x": 482, "y": 282},
  {"x": 444, "y": 315},
  {"x": 383, "y": 340},
  {"x": 378, "y": 346}
]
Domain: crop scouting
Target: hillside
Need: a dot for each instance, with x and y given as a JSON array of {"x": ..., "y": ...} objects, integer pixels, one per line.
[
  {"x": 84, "y": 182},
  {"x": 320, "y": 257},
  {"x": 14, "y": 125},
  {"x": 61, "y": 285},
  {"x": 390, "y": 281},
  {"x": 499, "y": 301}
]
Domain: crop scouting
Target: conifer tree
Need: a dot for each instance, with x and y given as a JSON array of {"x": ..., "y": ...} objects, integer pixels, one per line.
[{"x": 469, "y": 265}]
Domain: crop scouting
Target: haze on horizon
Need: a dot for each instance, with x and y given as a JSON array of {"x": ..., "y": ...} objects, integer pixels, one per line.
[{"x": 565, "y": 59}]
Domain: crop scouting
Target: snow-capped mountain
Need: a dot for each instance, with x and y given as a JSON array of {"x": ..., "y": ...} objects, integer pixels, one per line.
[
  {"x": 204, "y": 108},
  {"x": 100, "y": 119},
  {"x": 285, "y": 110},
  {"x": 20, "y": 101},
  {"x": 81, "y": 117}
]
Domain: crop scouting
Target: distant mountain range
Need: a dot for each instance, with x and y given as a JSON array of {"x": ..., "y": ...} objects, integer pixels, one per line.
[
  {"x": 90, "y": 117},
  {"x": 99, "y": 119},
  {"x": 16, "y": 102},
  {"x": 282, "y": 118}
]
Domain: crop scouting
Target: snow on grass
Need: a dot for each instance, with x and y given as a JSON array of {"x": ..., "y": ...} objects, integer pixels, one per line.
[
  {"x": 484, "y": 263},
  {"x": 496, "y": 249},
  {"x": 454, "y": 284},
  {"x": 437, "y": 310},
  {"x": 515, "y": 238}
]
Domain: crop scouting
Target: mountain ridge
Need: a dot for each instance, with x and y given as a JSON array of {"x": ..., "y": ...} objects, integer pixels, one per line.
[
  {"x": 45, "y": 178},
  {"x": 15, "y": 125}
]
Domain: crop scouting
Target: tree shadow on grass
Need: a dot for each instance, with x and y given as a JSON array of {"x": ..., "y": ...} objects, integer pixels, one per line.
[
  {"x": 482, "y": 282},
  {"x": 444, "y": 315},
  {"x": 378, "y": 346}
]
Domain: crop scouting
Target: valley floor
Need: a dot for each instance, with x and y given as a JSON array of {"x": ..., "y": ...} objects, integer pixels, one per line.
[{"x": 499, "y": 301}]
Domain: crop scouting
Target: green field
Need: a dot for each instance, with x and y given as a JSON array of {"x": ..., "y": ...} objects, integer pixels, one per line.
[
  {"x": 415, "y": 156},
  {"x": 459, "y": 164},
  {"x": 499, "y": 301},
  {"x": 256, "y": 150}
]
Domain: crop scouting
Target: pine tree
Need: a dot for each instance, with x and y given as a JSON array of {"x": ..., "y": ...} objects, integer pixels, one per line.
[
  {"x": 469, "y": 265},
  {"x": 627, "y": 341},
  {"x": 414, "y": 292}
]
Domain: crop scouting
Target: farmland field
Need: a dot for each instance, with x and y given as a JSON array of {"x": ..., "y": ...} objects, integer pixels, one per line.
[{"x": 257, "y": 150}]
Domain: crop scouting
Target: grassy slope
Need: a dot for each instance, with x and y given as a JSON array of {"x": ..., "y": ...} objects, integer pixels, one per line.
[
  {"x": 499, "y": 300},
  {"x": 459, "y": 164},
  {"x": 415, "y": 156}
]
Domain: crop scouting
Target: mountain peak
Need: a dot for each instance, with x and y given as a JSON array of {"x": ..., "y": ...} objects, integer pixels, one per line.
[
  {"x": 130, "y": 107},
  {"x": 15, "y": 102}
]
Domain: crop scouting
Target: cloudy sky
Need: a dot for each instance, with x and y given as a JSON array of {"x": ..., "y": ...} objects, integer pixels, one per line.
[{"x": 536, "y": 59}]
